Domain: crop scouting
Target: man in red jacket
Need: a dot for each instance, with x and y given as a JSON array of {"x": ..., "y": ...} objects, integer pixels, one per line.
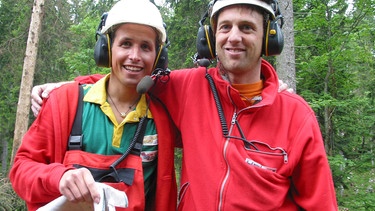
[
  {"x": 130, "y": 38},
  {"x": 245, "y": 145}
]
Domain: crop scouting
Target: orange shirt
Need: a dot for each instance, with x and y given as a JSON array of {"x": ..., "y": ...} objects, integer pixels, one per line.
[{"x": 250, "y": 93}]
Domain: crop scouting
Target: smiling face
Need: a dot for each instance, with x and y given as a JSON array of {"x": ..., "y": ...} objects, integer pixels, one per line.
[
  {"x": 239, "y": 37},
  {"x": 133, "y": 53}
]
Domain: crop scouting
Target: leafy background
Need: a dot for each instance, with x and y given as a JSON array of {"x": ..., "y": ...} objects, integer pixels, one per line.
[{"x": 334, "y": 66}]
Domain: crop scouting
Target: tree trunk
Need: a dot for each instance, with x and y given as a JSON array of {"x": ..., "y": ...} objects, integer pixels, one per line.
[
  {"x": 285, "y": 62},
  {"x": 23, "y": 108},
  {"x": 328, "y": 110},
  {"x": 4, "y": 156}
]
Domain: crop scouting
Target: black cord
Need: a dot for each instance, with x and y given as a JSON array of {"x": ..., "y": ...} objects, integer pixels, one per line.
[
  {"x": 140, "y": 129},
  {"x": 247, "y": 142},
  {"x": 223, "y": 122}
]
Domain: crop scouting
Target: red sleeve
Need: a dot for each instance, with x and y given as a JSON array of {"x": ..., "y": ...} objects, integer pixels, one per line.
[
  {"x": 37, "y": 168},
  {"x": 312, "y": 178},
  {"x": 89, "y": 79}
]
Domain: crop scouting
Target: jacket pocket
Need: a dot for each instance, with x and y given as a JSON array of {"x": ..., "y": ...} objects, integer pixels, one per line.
[{"x": 264, "y": 156}]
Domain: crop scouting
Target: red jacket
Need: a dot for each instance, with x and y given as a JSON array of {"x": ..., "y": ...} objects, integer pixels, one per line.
[
  {"x": 219, "y": 173},
  {"x": 38, "y": 166},
  {"x": 289, "y": 170}
]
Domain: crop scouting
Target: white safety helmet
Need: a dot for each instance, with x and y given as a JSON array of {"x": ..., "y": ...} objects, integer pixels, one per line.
[
  {"x": 220, "y": 4},
  {"x": 136, "y": 11}
]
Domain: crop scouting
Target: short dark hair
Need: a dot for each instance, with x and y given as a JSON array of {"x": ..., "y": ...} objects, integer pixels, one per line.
[
  {"x": 266, "y": 14},
  {"x": 112, "y": 35}
]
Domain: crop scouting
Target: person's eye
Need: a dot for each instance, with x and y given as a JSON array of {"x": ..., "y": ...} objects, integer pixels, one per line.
[
  {"x": 126, "y": 44},
  {"x": 247, "y": 28},
  {"x": 146, "y": 47},
  {"x": 224, "y": 28}
]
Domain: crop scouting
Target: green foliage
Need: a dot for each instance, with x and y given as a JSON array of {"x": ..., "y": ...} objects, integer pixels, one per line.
[
  {"x": 14, "y": 31},
  {"x": 182, "y": 28},
  {"x": 68, "y": 39},
  {"x": 54, "y": 41},
  {"x": 8, "y": 198},
  {"x": 355, "y": 182},
  {"x": 178, "y": 163},
  {"x": 335, "y": 65},
  {"x": 79, "y": 59}
]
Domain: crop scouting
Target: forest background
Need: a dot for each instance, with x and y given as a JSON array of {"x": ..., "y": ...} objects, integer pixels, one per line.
[{"x": 329, "y": 52}]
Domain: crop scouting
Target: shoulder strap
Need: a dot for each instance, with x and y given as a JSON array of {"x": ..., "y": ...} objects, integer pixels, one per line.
[
  {"x": 138, "y": 136},
  {"x": 76, "y": 136}
]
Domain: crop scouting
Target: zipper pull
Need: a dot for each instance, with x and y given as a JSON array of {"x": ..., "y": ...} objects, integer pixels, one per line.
[
  {"x": 234, "y": 118},
  {"x": 285, "y": 157}
]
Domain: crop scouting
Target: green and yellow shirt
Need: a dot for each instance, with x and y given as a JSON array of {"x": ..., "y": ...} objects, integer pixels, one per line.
[{"x": 103, "y": 135}]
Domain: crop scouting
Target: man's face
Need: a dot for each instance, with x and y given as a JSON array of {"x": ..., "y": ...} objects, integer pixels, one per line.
[
  {"x": 133, "y": 53},
  {"x": 239, "y": 36}
]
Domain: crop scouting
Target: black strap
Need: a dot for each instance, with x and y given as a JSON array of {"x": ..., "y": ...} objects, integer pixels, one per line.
[
  {"x": 76, "y": 136},
  {"x": 125, "y": 175},
  {"x": 139, "y": 134},
  {"x": 135, "y": 147}
]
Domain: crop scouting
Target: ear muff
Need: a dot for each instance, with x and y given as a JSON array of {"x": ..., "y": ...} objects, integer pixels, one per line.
[
  {"x": 103, "y": 55},
  {"x": 205, "y": 40},
  {"x": 102, "y": 51},
  {"x": 161, "y": 61},
  {"x": 273, "y": 41}
]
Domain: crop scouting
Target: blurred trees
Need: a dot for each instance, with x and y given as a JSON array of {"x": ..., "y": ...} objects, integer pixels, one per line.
[{"x": 334, "y": 70}]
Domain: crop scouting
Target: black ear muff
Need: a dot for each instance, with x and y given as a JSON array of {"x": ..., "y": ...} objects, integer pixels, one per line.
[
  {"x": 205, "y": 40},
  {"x": 273, "y": 42},
  {"x": 161, "y": 61},
  {"x": 102, "y": 51}
]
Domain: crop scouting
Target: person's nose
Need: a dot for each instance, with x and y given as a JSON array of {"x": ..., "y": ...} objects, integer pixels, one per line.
[
  {"x": 135, "y": 54},
  {"x": 234, "y": 35}
]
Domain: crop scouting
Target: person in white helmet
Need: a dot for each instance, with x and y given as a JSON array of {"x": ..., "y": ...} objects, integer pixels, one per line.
[
  {"x": 246, "y": 146},
  {"x": 47, "y": 166}
]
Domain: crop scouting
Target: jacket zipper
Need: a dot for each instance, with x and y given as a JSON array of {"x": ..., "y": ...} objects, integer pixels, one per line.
[
  {"x": 222, "y": 187},
  {"x": 233, "y": 120},
  {"x": 232, "y": 123}
]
